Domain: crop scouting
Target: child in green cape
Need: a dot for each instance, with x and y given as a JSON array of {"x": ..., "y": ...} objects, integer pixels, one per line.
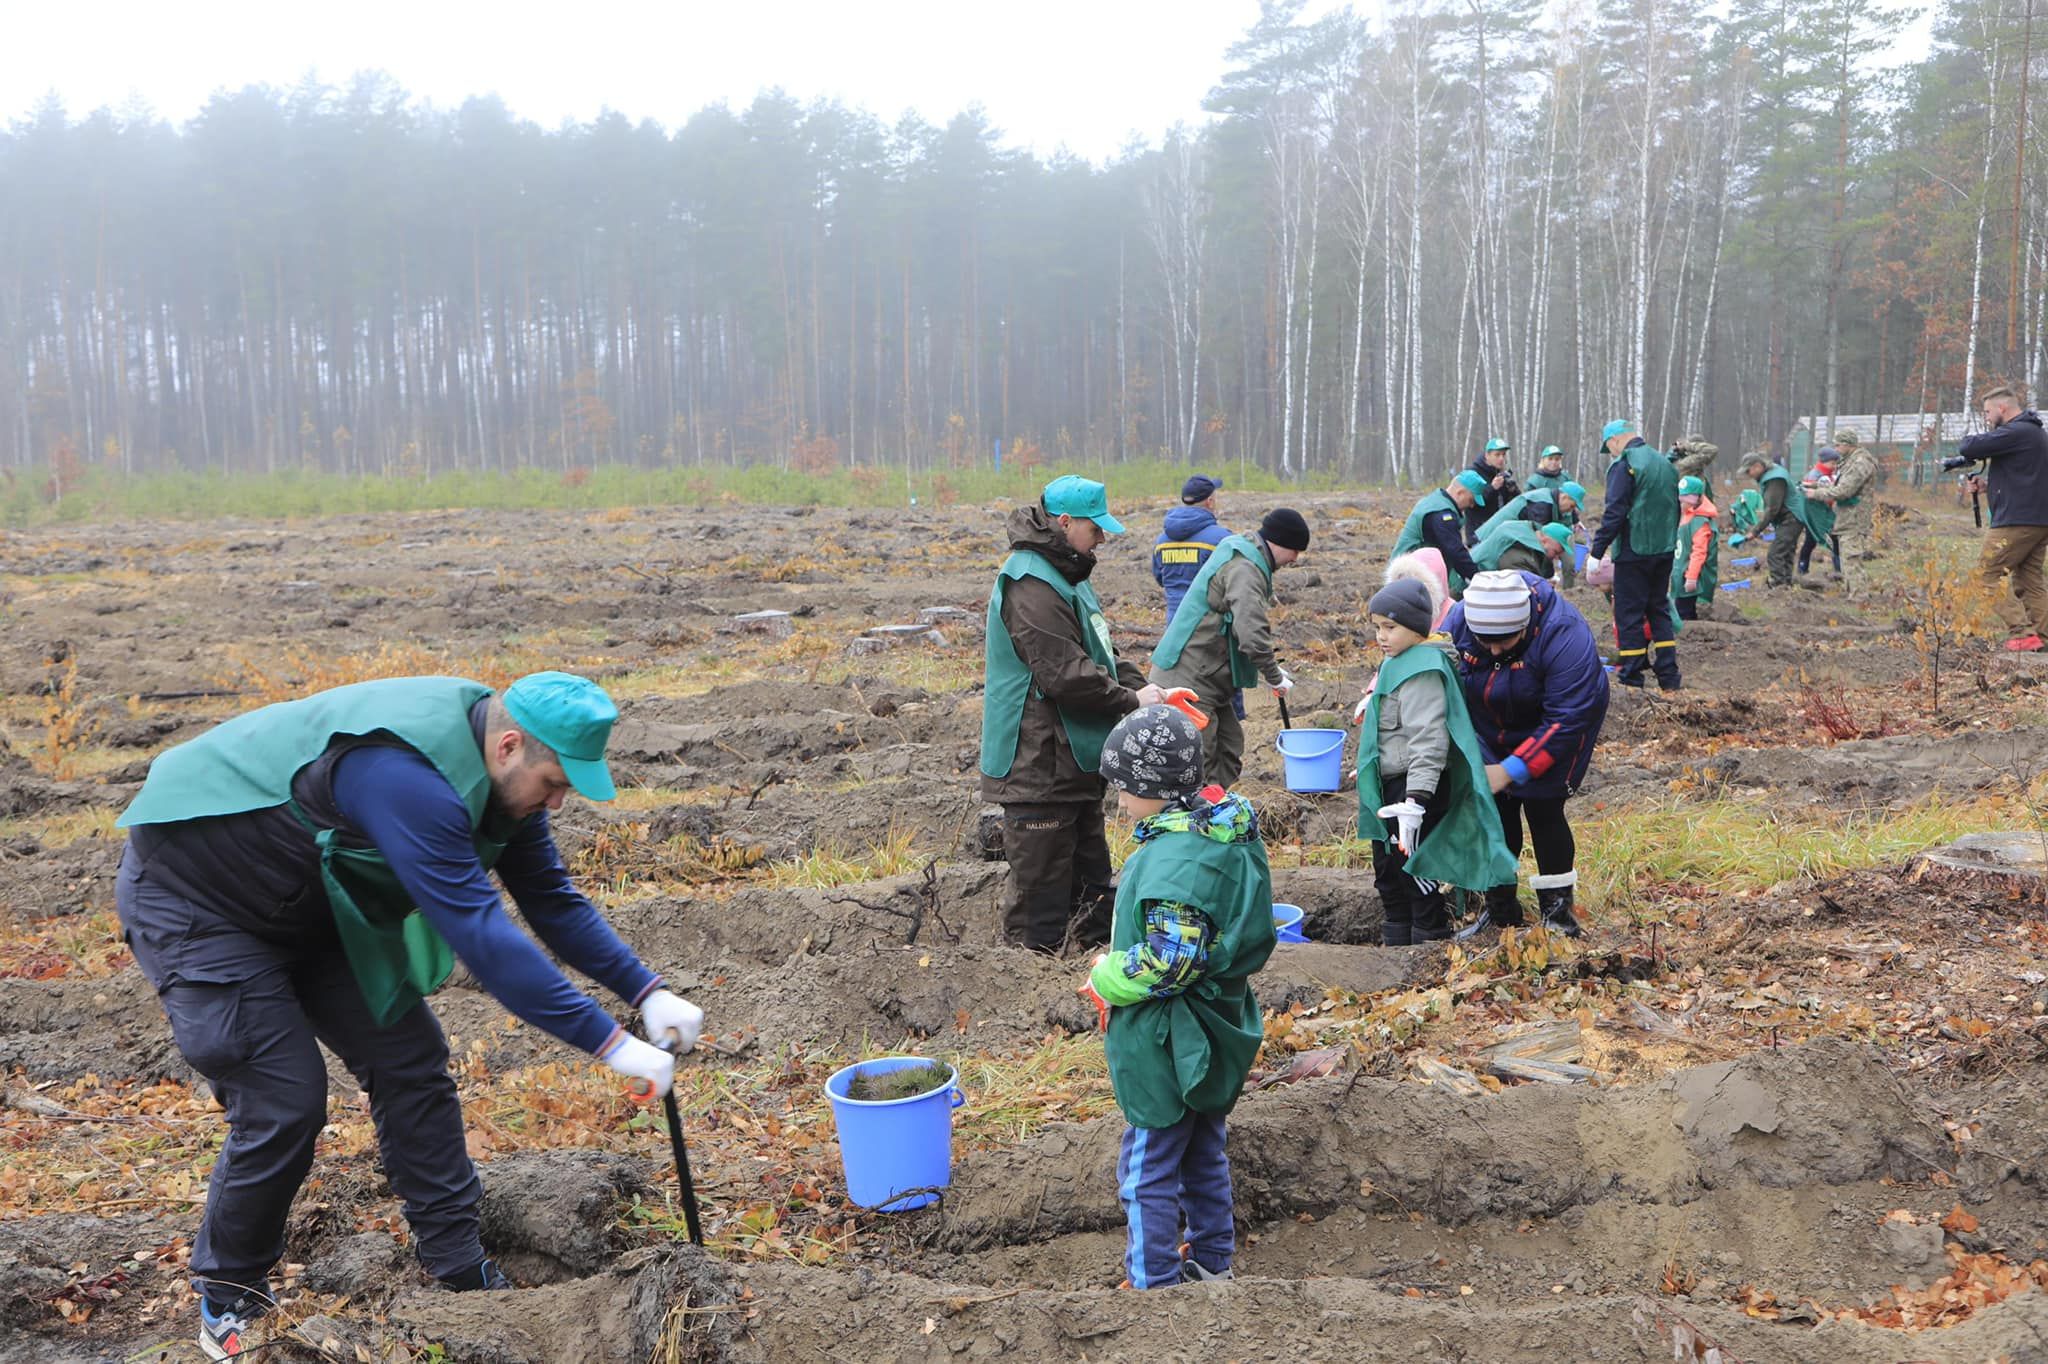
[
  {"x": 1194, "y": 921},
  {"x": 1420, "y": 767}
]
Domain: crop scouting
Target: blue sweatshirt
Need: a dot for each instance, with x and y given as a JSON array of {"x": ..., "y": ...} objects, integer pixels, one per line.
[
  {"x": 1190, "y": 534},
  {"x": 413, "y": 816}
]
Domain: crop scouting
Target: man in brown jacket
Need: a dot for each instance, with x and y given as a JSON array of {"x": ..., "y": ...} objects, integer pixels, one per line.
[
  {"x": 1055, "y": 688},
  {"x": 1221, "y": 638}
]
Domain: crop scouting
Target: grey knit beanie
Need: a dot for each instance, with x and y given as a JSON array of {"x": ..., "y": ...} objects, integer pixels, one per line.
[
  {"x": 1154, "y": 753},
  {"x": 1405, "y": 602},
  {"x": 1497, "y": 603}
]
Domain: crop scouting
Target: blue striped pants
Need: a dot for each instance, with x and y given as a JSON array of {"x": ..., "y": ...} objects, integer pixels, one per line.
[{"x": 1165, "y": 1174}]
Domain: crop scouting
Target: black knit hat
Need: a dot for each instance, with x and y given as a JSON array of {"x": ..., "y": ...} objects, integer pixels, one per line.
[
  {"x": 1405, "y": 602},
  {"x": 1154, "y": 753},
  {"x": 1285, "y": 527}
]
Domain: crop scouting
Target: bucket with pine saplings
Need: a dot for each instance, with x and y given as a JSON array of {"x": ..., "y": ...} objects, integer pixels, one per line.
[{"x": 894, "y": 1116}]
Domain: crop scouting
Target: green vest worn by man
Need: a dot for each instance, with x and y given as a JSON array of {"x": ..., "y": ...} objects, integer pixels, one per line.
[
  {"x": 1467, "y": 847},
  {"x": 1653, "y": 505},
  {"x": 249, "y": 764},
  {"x": 1194, "y": 611},
  {"x": 1192, "y": 1050},
  {"x": 1517, "y": 509},
  {"x": 1410, "y": 538},
  {"x": 1487, "y": 553},
  {"x": 1009, "y": 683},
  {"x": 1710, "y": 572},
  {"x": 1798, "y": 504}
]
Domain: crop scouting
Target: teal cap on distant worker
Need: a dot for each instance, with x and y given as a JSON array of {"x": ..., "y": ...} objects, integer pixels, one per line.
[
  {"x": 1575, "y": 491},
  {"x": 1548, "y": 451},
  {"x": 1474, "y": 484},
  {"x": 1495, "y": 444},
  {"x": 1072, "y": 495},
  {"x": 1620, "y": 426},
  {"x": 573, "y": 716}
]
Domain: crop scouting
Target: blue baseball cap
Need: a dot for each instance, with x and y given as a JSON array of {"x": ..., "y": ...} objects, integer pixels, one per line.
[
  {"x": 1474, "y": 484},
  {"x": 1200, "y": 488},
  {"x": 1620, "y": 426},
  {"x": 1072, "y": 495},
  {"x": 573, "y": 716}
]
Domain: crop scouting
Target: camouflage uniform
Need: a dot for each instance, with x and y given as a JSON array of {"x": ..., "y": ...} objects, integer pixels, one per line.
[
  {"x": 1853, "y": 495},
  {"x": 1692, "y": 456}
]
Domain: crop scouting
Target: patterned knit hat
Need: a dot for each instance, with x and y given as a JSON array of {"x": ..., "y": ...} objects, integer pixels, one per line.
[
  {"x": 1497, "y": 603},
  {"x": 1154, "y": 753}
]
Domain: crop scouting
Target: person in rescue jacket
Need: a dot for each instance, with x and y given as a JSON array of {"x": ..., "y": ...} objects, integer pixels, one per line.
[
  {"x": 1437, "y": 522},
  {"x": 1640, "y": 525},
  {"x": 1190, "y": 533},
  {"x": 1537, "y": 695},
  {"x": 1696, "y": 564},
  {"x": 1194, "y": 921},
  {"x": 1221, "y": 640},
  {"x": 1055, "y": 686},
  {"x": 305, "y": 874}
]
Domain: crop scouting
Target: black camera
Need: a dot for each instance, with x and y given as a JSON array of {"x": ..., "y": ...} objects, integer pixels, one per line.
[{"x": 1955, "y": 462}]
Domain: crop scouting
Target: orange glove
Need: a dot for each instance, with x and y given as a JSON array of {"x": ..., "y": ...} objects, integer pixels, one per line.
[
  {"x": 1087, "y": 992},
  {"x": 1182, "y": 699}
]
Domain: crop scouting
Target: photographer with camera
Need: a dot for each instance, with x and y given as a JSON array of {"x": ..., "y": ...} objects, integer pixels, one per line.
[
  {"x": 1491, "y": 464},
  {"x": 2014, "y": 453}
]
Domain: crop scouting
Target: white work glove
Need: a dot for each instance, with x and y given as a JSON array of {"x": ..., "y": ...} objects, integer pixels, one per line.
[
  {"x": 638, "y": 1060},
  {"x": 1285, "y": 684},
  {"x": 1407, "y": 817},
  {"x": 666, "y": 1016},
  {"x": 1358, "y": 711}
]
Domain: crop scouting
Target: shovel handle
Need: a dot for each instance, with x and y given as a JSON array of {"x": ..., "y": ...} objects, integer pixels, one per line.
[{"x": 1285, "y": 721}]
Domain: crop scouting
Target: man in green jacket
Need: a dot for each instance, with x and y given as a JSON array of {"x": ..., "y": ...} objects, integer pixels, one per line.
[
  {"x": 1221, "y": 638},
  {"x": 1054, "y": 687},
  {"x": 303, "y": 875},
  {"x": 1780, "y": 516},
  {"x": 1524, "y": 546}
]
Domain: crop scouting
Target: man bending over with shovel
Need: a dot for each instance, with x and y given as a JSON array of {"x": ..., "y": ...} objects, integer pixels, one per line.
[{"x": 305, "y": 874}]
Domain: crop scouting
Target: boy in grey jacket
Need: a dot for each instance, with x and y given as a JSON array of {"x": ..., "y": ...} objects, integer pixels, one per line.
[{"x": 1414, "y": 747}]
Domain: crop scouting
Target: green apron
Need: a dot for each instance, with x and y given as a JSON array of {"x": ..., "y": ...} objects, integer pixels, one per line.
[
  {"x": 1681, "y": 554},
  {"x": 1543, "y": 480},
  {"x": 1524, "y": 533},
  {"x": 1466, "y": 848},
  {"x": 1009, "y": 682},
  {"x": 1192, "y": 1050},
  {"x": 1194, "y": 609},
  {"x": 1517, "y": 509},
  {"x": 1748, "y": 508},
  {"x": 249, "y": 763}
]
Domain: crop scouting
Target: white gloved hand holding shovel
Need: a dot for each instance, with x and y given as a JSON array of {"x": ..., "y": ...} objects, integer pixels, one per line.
[
  {"x": 672, "y": 1022},
  {"x": 1407, "y": 817}
]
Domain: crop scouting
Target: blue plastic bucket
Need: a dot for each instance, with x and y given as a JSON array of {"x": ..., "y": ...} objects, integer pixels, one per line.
[
  {"x": 1312, "y": 759},
  {"x": 889, "y": 1146},
  {"x": 1578, "y": 558},
  {"x": 1287, "y": 923}
]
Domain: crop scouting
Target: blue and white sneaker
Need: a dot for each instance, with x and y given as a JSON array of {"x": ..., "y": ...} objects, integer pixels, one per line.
[{"x": 225, "y": 1333}]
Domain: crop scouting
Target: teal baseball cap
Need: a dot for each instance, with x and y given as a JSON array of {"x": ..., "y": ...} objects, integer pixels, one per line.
[
  {"x": 1575, "y": 491},
  {"x": 1474, "y": 484},
  {"x": 1557, "y": 531},
  {"x": 1072, "y": 495},
  {"x": 1496, "y": 444},
  {"x": 1692, "y": 486},
  {"x": 1620, "y": 426},
  {"x": 1550, "y": 450},
  {"x": 573, "y": 716}
]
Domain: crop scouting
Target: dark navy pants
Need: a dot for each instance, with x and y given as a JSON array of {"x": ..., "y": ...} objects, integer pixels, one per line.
[
  {"x": 1164, "y": 1174},
  {"x": 1642, "y": 596},
  {"x": 250, "y": 1014}
]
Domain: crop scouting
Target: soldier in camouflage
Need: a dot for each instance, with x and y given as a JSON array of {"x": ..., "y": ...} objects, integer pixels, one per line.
[
  {"x": 1852, "y": 495},
  {"x": 1692, "y": 455}
]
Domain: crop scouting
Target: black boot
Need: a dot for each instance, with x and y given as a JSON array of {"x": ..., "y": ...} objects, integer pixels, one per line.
[
  {"x": 1093, "y": 917},
  {"x": 1432, "y": 920},
  {"x": 1554, "y": 902},
  {"x": 1502, "y": 910}
]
